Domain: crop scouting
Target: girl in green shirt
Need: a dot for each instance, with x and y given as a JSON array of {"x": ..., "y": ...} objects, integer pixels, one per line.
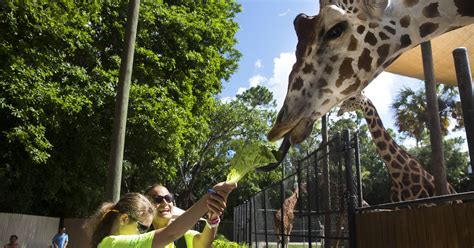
[{"x": 125, "y": 223}]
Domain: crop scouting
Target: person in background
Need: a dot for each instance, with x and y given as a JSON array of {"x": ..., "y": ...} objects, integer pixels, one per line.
[
  {"x": 165, "y": 211},
  {"x": 61, "y": 239},
  {"x": 126, "y": 223},
  {"x": 13, "y": 243}
]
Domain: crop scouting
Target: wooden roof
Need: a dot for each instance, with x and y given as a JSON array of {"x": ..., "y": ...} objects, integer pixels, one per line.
[{"x": 410, "y": 63}]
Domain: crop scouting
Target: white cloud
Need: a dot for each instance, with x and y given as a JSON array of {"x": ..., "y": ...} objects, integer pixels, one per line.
[
  {"x": 278, "y": 83},
  {"x": 226, "y": 99},
  {"x": 284, "y": 13},
  {"x": 257, "y": 80},
  {"x": 258, "y": 63},
  {"x": 241, "y": 90}
]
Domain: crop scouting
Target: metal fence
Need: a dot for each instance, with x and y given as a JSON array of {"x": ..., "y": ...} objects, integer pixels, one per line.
[{"x": 312, "y": 206}]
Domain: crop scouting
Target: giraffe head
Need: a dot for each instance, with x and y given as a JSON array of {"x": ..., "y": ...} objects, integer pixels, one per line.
[
  {"x": 354, "y": 103},
  {"x": 341, "y": 50}
]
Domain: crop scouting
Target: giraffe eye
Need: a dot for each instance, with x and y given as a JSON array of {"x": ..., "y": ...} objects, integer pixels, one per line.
[{"x": 336, "y": 31}]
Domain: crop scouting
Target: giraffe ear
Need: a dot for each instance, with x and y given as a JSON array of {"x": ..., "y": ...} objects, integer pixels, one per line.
[{"x": 376, "y": 8}]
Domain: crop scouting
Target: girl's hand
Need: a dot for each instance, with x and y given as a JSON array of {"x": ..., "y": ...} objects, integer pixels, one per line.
[{"x": 217, "y": 202}]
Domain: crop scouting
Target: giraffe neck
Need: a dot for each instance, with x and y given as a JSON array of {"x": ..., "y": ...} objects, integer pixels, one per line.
[
  {"x": 290, "y": 202},
  {"x": 388, "y": 149}
]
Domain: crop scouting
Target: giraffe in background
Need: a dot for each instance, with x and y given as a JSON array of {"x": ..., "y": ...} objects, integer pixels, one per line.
[
  {"x": 409, "y": 179},
  {"x": 287, "y": 218}
]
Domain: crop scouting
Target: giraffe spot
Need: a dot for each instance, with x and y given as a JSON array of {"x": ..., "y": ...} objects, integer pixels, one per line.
[
  {"x": 327, "y": 91},
  {"x": 405, "y": 21},
  {"x": 308, "y": 68},
  {"x": 370, "y": 38},
  {"x": 406, "y": 178},
  {"x": 395, "y": 175},
  {"x": 401, "y": 159},
  {"x": 353, "y": 87},
  {"x": 415, "y": 177},
  {"x": 387, "y": 158},
  {"x": 297, "y": 84},
  {"x": 310, "y": 49},
  {"x": 383, "y": 36},
  {"x": 392, "y": 22},
  {"x": 382, "y": 51},
  {"x": 395, "y": 165},
  {"x": 352, "y": 44},
  {"x": 392, "y": 148},
  {"x": 373, "y": 124},
  {"x": 431, "y": 10},
  {"x": 428, "y": 28},
  {"x": 334, "y": 58},
  {"x": 413, "y": 165},
  {"x": 362, "y": 17},
  {"x": 355, "y": 10},
  {"x": 345, "y": 71},
  {"x": 386, "y": 136},
  {"x": 465, "y": 7},
  {"x": 344, "y": 1},
  {"x": 328, "y": 69},
  {"x": 381, "y": 146},
  {"x": 376, "y": 134},
  {"x": 389, "y": 29},
  {"x": 365, "y": 60},
  {"x": 405, "y": 41},
  {"x": 322, "y": 83},
  {"x": 373, "y": 25},
  {"x": 410, "y": 3},
  {"x": 325, "y": 102},
  {"x": 360, "y": 29},
  {"x": 370, "y": 112},
  {"x": 406, "y": 194},
  {"x": 303, "y": 92}
]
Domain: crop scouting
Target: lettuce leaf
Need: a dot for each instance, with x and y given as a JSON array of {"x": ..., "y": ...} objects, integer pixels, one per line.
[{"x": 248, "y": 159}]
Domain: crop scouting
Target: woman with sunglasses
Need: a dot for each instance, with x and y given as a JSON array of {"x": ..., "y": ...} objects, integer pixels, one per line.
[
  {"x": 165, "y": 212},
  {"x": 125, "y": 223}
]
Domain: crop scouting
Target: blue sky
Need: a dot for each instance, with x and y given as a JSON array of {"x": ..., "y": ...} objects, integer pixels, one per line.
[{"x": 267, "y": 41}]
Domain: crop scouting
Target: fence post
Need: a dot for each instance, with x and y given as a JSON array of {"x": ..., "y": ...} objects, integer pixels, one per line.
[
  {"x": 463, "y": 74},
  {"x": 350, "y": 188},
  {"x": 265, "y": 216},
  {"x": 360, "y": 197}
]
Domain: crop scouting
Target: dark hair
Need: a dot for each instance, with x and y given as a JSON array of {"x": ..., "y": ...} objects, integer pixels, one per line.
[
  {"x": 134, "y": 205},
  {"x": 13, "y": 236}
]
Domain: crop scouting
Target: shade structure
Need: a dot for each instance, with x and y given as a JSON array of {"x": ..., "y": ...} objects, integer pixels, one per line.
[{"x": 410, "y": 63}]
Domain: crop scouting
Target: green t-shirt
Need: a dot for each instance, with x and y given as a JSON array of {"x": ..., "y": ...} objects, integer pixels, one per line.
[
  {"x": 140, "y": 240},
  {"x": 128, "y": 241},
  {"x": 188, "y": 237}
]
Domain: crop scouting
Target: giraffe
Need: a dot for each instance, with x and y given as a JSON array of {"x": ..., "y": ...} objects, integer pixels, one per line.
[
  {"x": 409, "y": 179},
  {"x": 341, "y": 50},
  {"x": 288, "y": 217}
]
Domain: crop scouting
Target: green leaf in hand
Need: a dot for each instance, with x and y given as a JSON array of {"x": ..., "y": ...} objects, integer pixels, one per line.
[{"x": 249, "y": 158}]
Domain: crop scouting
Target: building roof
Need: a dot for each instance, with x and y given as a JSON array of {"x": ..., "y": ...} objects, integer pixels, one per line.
[{"x": 410, "y": 63}]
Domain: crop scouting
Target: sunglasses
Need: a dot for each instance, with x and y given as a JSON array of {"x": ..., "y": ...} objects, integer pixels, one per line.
[{"x": 168, "y": 198}]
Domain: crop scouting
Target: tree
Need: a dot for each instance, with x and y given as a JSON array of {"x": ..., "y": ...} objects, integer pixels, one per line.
[
  {"x": 58, "y": 74},
  {"x": 410, "y": 111}
]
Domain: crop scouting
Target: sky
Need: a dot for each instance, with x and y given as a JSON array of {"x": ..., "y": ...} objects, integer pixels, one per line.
[{"x": 267, "y": 41}]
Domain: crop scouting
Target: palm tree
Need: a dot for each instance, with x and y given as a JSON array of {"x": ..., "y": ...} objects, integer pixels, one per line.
[{"x": 410, "y": 111}]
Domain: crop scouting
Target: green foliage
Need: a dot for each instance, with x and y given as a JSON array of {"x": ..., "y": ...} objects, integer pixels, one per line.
[
  {"x": 58, "y": 73},
  {"x": 410, "y": 111},
  {"x": 222, "y": 242}
]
